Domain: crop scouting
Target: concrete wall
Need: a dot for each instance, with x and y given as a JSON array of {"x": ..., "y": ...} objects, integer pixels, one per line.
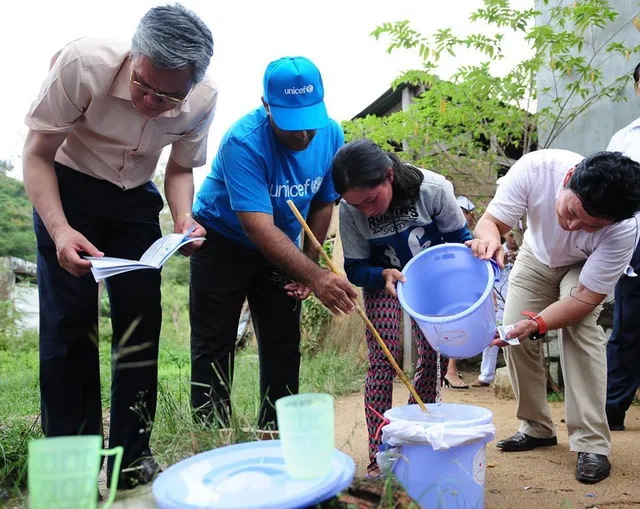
[
  {"x": 592, "y": 132},
  {"x": 25, "y": 299}
]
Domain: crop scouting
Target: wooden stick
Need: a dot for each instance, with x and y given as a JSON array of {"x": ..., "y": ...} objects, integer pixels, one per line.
[{"x": 362, "y": 314}]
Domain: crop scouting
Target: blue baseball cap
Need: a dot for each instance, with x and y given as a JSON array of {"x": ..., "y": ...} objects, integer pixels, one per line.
[{"x": 294, "y": 92}]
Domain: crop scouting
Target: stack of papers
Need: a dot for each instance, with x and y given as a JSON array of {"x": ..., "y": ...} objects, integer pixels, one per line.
[{"x": 153, "y": 258}]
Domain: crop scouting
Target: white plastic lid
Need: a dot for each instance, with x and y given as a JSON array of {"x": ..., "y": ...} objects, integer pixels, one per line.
[{"x": 246, "y": 476}]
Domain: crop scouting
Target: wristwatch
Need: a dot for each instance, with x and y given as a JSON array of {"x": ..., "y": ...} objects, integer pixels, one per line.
[{"x": 542, "y": 325}]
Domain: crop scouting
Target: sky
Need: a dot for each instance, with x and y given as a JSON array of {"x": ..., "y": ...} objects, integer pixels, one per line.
[{"x": 248, "y": 34}]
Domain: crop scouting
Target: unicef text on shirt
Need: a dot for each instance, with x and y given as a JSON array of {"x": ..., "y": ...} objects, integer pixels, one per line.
[
  {"x": 296, "y": 91},
  {"x": 294, "y": 190}
]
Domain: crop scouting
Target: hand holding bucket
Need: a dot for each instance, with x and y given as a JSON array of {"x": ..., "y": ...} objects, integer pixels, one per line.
[
  {"x": 63, "y": 472},
  {"x": 487, "y": 249}
]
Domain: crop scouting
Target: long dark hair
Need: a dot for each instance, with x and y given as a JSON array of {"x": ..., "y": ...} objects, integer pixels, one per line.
[{"x": 363, "y": 164}]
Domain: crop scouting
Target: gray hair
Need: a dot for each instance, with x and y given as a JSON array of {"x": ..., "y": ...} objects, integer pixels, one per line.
[{"x": 173, "y": 37}]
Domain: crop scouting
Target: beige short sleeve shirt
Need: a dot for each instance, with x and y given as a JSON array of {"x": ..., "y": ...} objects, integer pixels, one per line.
[{"x": 86, "y": 94}]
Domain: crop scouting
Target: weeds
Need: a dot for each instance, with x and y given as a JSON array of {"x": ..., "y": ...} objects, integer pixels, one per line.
[
  {"x": 315, "y": 319},
  {"x": 9, "y": 324},
  {"x": 14, "y": 439},
  {"x": 176, "y": 434},
  {"x": 555, "y": 397}
]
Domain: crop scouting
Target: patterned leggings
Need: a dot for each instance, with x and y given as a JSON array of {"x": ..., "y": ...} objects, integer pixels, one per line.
[{"x": 385, "y": 313}]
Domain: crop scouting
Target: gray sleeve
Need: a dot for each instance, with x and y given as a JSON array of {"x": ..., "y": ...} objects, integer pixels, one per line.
[
  {"x": 354, "y": 245},
  {"x": 446, "y": 211}
]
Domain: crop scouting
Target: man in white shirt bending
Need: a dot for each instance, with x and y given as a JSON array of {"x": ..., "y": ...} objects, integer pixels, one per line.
[{"x": 580, "y": 237}]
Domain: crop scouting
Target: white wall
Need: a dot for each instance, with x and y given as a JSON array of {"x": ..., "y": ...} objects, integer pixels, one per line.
[
  {"x": 25, "y": 299},
  {"x": 592, "y": 132}
]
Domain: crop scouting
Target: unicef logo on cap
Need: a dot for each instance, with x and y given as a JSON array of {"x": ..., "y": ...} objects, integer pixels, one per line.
[
  {"x": 305, "y": 89},
  {"x": 317, "y": 182}
]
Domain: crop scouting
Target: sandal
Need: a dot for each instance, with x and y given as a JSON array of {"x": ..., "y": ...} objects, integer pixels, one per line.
[
  {"x": 374, "y": 472},
  {"x": 480, "y": 383},
  {"x": 456, "y": 383}
]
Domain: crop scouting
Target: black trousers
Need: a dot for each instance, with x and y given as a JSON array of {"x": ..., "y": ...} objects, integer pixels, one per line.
[
  {"x": 223, "y": 273},
  {"x": 121, "y": 224},
  {"x": 623, "y": 348}
]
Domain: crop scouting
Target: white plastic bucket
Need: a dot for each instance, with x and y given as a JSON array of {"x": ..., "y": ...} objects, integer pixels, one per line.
[
  {"x": 443, "y": 478},
  {"x": 449, "y": 293}
]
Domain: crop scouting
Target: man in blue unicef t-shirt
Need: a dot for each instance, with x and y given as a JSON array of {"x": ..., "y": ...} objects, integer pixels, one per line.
[{"x": 281, "y": 151}]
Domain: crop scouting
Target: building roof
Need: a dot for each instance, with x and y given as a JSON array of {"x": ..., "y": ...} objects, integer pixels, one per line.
[{"x": 389, "y": 100}]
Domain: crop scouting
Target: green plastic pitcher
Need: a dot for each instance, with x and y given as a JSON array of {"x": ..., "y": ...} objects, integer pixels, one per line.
[
  {"x": 306, "y": 425},
  {"x": 63, "y": 472}
]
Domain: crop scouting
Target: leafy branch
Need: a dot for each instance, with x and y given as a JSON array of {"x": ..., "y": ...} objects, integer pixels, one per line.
[{"x": 478, "y": 120}]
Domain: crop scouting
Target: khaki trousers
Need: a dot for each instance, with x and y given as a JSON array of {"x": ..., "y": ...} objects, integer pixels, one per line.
[{"x": 532, "y": 287}]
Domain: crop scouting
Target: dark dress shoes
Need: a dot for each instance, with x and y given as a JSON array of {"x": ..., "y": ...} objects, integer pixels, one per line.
[
  {"x": 523, "y": 442},
  {"x": 592, "y": 468},
  {"x": 142, "y": 473}
]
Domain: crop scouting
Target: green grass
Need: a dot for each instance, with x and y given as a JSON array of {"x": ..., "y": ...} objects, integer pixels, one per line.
[
  {"x": 175, "y": 435},
  {"x": 555, "y": 397},
  {"x": 327, "y": 371},
  {"x": 14, "y": 440}
]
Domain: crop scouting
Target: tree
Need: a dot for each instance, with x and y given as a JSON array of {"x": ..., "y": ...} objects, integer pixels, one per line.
[
  {"x": 16, "y": 234},
  {"x": 5, "y": 167},
  {"x": 477, "y": 122}
]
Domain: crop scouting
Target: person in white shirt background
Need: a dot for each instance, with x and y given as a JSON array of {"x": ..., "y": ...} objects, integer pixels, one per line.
[
  {"x": 580, "y": 238},
  {"x": 623, "y": 348}
]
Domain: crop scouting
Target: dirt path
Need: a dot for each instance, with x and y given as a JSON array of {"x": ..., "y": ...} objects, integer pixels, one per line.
[{"x": 538, "y": 479}]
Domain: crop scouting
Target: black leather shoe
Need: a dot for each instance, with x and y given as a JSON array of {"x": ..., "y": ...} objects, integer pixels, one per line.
[
  {"x": 523, "y": 442},
  {"x": 141, "y": 473},
  {"x": 592, "y": 468}
]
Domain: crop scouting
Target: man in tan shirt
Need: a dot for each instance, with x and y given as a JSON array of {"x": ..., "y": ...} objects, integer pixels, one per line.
[{"x": 96, "y": 130}]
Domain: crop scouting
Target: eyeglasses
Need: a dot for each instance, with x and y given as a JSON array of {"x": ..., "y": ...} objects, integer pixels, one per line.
[{"x": 175, "y": 99}]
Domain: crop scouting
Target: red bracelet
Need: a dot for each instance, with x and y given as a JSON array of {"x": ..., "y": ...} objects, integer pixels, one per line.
[{"x": 542, "y": 325}]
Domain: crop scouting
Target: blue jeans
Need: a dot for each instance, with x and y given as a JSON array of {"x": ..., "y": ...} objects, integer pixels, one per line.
[
  {"x": 121, "y": 224},
  {"x": 623, "y": 349}
]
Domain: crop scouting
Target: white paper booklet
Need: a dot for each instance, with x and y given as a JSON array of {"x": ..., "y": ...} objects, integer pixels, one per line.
[{"x": 153, "y": 258}]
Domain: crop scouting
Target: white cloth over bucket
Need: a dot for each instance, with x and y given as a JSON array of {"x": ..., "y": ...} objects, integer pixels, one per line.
[
  {"x": 439, "y": 456},
  {"x": 438, "y": 436}
]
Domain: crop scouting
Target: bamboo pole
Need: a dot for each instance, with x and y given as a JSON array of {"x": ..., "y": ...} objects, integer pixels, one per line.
[{"x": 360, "y": 311}]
